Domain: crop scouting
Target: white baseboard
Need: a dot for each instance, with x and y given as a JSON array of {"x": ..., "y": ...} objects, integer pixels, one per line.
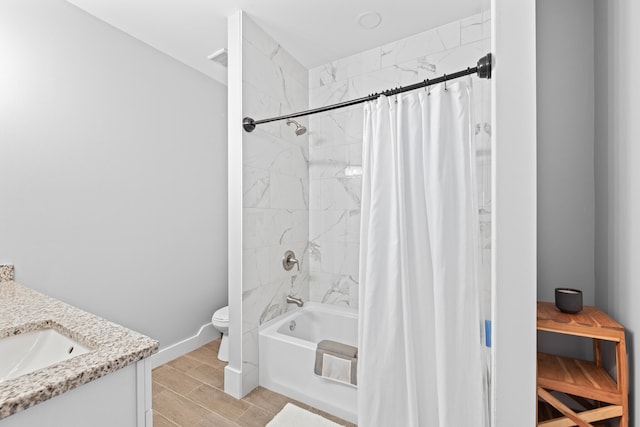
[
  {"x": 233, "y": 382},
  {"x": 250, "y": 378},
  {"x": 205, "y": 335}
]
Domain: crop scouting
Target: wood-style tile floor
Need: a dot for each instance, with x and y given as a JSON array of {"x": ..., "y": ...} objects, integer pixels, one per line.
[{"x": 188, "y": 392}]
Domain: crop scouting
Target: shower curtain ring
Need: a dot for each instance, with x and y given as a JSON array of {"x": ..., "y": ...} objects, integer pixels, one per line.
[{"x": 445, "y": 82}]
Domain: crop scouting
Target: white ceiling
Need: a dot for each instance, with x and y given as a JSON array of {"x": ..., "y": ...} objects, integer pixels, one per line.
[{"x": 313, "y": 31}]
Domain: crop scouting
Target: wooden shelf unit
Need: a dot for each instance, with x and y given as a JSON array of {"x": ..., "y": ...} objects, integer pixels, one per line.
[{"x": 582, "y": 379}]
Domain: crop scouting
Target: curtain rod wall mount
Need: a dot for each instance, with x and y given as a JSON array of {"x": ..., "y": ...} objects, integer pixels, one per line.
[
  {"x": 484, "y": 66},
  {"x": 248, "y": 124},
  {"x": 482, "y": 70}
]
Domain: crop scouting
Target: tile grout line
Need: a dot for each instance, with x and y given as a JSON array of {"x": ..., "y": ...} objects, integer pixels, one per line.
[
  {"x": 176, "y": 391},
  {"x": 207, "y": 409},
  {"x": 198, "y": 379},
  {"x": 167, "y": 418}
]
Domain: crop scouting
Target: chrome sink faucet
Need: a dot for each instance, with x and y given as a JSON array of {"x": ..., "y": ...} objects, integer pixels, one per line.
[{"x": 293, "y": 300}]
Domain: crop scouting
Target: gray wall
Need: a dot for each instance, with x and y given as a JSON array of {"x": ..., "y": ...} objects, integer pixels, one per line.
[
  {"x": 565, "y": 93},
  {"x": 606, "y": 33},
  {"x": 617, "y": 160},
  {"x": 112, "y": 171}
]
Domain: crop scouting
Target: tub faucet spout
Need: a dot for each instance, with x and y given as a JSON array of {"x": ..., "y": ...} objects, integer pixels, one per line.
[{"x": 293, "y": 300}]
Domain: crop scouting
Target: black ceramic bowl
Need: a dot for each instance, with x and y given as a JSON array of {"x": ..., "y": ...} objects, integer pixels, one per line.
[{"x": 569, "y": 300}]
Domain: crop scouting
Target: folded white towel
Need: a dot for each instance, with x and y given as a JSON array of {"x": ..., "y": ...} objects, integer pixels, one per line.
[{"x": 336, "y": 368}]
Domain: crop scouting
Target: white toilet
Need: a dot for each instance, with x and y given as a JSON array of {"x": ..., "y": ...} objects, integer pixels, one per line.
[{"x": 220, "y": 320}]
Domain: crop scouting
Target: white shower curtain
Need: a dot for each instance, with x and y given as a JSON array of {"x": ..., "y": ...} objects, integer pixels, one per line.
[{"x": 420, "y": 335}]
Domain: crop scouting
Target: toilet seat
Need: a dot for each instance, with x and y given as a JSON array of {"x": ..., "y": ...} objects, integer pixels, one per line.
[{"x": 222, "y": 315}]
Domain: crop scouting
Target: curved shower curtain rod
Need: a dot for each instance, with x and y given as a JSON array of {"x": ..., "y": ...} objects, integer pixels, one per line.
[{"x": 482, "y": 69}]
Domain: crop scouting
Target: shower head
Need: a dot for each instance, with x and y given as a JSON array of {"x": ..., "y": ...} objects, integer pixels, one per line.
[{"x": 300, "y": 130}]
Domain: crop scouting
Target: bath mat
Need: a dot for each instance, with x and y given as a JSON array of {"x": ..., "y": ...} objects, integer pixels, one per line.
[{"x": 293, "y": 416}]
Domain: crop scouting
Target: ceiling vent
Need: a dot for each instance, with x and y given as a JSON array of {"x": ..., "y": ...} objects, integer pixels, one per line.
[{"x": 220, "y": 56}]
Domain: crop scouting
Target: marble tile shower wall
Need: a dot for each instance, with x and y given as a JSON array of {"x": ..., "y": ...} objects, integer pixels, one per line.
[
  {"x": 275, "y": 185},
  {"x": 335, "y": 143}
]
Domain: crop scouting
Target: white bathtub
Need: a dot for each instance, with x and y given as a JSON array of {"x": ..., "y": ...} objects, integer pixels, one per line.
[{"x": 287, "y": 356}]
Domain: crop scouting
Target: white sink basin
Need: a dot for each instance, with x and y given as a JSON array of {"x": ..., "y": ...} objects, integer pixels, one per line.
[{"x": 28, "y": 352}]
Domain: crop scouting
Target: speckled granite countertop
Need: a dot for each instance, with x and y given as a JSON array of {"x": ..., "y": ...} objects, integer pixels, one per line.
[{"x": 112, "y": 346}]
